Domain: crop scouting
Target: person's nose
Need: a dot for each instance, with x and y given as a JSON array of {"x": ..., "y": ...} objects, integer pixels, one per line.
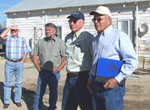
[{"x": 96, "y": 21}]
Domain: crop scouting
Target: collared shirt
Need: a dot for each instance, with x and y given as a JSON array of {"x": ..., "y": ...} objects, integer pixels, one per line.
[
  {"x": 50, "y": 53},
  {"x": 79, "y": 51},
  {"x": 16, "y": 47},
  {"x": 114, "y": 44}
]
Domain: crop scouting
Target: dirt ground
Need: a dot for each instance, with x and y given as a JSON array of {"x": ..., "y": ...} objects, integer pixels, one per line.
[{"x": 137, "y": 95}]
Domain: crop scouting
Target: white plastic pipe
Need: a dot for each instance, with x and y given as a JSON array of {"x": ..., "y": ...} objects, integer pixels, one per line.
[{"x": 137, "y": 40}]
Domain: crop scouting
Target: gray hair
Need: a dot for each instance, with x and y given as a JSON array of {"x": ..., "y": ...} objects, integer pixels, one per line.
[
  {"x": 15, "y": 26},
  {"x": 51, "y": 25},
  {"x": 81, "y": 20}
]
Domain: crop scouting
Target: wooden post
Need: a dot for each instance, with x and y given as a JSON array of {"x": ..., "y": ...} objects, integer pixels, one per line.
[
  {"x": 144, "y": 63},
  {"x": 34, "y": 36}
]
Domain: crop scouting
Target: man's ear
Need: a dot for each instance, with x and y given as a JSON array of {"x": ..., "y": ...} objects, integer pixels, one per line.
[
  {"x": 55, "y": 31},
  {"x": 82, "y": 23},
  {"x": 110, "y": 20}
]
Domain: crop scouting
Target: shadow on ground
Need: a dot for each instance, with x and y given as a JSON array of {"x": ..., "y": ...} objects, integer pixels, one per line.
[
  {"x": 27, "y": 97},
  {"x": 2, "y": 92}
]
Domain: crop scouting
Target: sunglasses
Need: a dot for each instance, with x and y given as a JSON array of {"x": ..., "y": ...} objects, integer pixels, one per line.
[
  {"x": 98, "y": 19},
  {"x": 74, "y": 21},
  {"x": 14, "y": 30}
]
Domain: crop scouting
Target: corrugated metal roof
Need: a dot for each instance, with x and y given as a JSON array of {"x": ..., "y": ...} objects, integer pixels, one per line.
[{"x": 29, "y": 5}]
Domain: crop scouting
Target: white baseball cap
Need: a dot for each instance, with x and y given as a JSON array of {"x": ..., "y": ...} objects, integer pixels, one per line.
[{"x": 103, "y": 10}]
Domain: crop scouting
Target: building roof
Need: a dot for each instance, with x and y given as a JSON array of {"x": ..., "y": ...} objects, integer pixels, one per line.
[{"x": 30, "y": 5}]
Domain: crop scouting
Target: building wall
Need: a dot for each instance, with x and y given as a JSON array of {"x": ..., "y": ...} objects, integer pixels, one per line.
[{"x": 27, "y": 22}]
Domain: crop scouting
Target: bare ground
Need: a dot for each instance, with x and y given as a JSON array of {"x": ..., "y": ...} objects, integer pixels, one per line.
[{"x": 137, "y": 95}]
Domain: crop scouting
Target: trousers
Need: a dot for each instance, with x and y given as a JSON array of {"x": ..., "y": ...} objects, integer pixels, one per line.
[
  {"x": 108, "y": 99},
  {"x": 76, "y": 93},
  {"x": 51, "y": 78},
  {"x": 13, "y": 69}
]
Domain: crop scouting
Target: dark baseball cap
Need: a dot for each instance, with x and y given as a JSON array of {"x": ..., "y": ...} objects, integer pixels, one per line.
[{"x": 77, "y": 15}]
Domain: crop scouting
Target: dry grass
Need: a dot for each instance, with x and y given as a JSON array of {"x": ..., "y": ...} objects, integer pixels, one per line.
[{"x": 28, "y": 60}]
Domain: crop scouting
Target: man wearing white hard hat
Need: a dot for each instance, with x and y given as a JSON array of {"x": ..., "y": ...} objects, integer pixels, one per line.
[{"x": 111, "y": 44}]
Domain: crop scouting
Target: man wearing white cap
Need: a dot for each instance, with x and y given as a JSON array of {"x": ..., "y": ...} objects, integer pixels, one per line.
[{"x": 113, "y": 44}]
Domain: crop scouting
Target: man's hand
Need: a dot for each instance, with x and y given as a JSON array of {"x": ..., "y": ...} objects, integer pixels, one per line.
[
  {"x": 56, "y": 70},
  {"x": 89, "y": 87},
  {"x": 110, "y": 84}
]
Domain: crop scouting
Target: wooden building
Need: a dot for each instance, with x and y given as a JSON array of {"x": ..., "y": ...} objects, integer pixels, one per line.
[{"x": 131, "y": 16}]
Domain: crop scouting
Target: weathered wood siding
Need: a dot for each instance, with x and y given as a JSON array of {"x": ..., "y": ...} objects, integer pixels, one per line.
[{"x": 38, "y": 18}]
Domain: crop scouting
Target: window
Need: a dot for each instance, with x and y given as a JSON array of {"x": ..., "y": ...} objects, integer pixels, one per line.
[
  {"x": 59, "y": 32},
  {"x": 128, "y": 26}
]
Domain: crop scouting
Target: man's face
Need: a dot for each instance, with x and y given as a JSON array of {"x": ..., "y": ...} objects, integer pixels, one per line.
[
  {"x": 14, "y": 31},
  {"x": 50, "y": 32},
  {"x": 101, "y": 22},
  {"x": 75, "y": 24}
]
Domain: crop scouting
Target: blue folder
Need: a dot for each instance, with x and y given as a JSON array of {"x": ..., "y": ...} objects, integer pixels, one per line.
[{"x": 108, "y": 67}]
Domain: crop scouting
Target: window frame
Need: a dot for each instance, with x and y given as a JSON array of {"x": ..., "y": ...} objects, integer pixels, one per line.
[
  {"x": 58, "y": 24},
  {"x": 59, "y": 33},
  {"x": 128, "y": 19}
]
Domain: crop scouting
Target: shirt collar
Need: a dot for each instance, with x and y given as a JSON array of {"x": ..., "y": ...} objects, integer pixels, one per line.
[
  {"x": 78, "y": 33},
  {"x": 54, "y": 39},
  {"x": 15, "y": 37},
  {"x": 106, "y": 31}
]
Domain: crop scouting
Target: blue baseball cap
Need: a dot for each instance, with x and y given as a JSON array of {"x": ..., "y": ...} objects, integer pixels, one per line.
[{"x": 77, "y": 15}]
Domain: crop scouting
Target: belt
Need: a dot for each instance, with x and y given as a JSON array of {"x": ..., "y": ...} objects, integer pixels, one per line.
[
  {"x": 75, "y": 74},
  {"x": 14, "y": 60},
  {"x": 72, "y": 74}
]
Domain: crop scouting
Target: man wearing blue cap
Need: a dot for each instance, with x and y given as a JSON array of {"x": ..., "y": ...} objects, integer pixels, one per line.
[{"x": 78, "y": 64}]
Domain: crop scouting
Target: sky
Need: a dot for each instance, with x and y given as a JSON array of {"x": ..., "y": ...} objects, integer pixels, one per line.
[{"x": 4, "y": 5}]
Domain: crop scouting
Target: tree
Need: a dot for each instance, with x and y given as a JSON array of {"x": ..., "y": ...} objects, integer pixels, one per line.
[{"x": 1, "y": 26}]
